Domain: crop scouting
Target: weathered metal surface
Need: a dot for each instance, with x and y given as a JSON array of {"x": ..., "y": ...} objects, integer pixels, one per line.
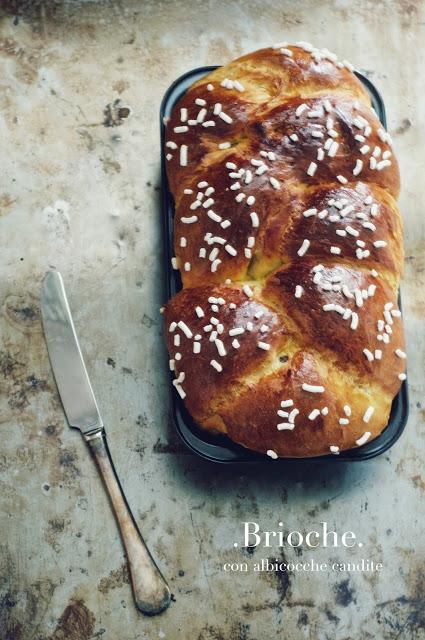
[{"x": 80, "y": 86}]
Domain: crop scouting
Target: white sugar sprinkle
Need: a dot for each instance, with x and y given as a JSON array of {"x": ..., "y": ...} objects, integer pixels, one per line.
[
  {"x": 220, "y": 347},
  {"x": 334, "y": 449},
  {"x": 368, "y": 414},
  {"x": 272, "y": 454},
  {"x": 304, "y": 247},
  {"x": 358, "y": 167},
  {"x": 286, "y": 403},
  {"x": 300, "y": 109},
  {"x": 217, "y": 366},
  {"x": 263, "y": 345},
  {"x": 183, "y": 155},
  {"x": 313, "y": 415},
  {"x": 333, "y": 148},
  {"x": 364, "y": 438},
  {"x": 231, "y": 250},
  {"x": 226, "y": 118},
  {"x": 214, "y": 265},
  {"x": 254, "y": 219},
  {"x": 285, "y": 426},
  {"x": 368, "y": 354},
  {"x": 183, "y": 326},
  {"x": 247, "y": 290},
  {"x": 313, "y": 388},
  {"x": 298, "y": 291},
  {"x": 311, "y": 169},
  {"x": 399, "y": 353}
]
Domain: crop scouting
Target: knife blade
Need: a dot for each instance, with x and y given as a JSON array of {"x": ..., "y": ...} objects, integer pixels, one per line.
[
  {"x": 65, "y": 356},
  {"x": 151, "y": 592}
]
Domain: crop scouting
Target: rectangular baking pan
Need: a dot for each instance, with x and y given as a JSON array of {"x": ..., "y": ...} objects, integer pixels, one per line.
[{"x": 220, "y": 448}]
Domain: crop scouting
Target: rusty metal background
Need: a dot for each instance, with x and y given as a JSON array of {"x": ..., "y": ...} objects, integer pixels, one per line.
[{"x": 80, "y": 87}]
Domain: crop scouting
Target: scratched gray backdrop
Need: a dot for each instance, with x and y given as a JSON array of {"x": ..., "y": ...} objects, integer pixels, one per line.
[{"x": 79, "y": 190}]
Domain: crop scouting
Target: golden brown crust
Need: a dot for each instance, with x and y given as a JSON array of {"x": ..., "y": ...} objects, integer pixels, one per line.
[{"x": 289, "y": 243}]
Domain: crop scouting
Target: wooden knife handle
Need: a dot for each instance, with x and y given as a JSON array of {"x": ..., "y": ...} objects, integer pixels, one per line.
[{"x": 151, "y": 592}]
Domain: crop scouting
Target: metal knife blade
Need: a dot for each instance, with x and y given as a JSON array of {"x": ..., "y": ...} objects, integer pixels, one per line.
[{"x": 65, "y": 355}]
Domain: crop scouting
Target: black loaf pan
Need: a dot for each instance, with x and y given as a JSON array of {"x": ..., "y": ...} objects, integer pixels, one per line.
[{"x": 217, "y": 448}]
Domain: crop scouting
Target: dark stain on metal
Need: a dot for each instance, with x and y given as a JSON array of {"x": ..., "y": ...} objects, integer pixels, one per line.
[
  {"x": 116, "y": 578},
  {"x": 302, "y": 619},
  {"x": 52, "y": 430},
  {"x": 20, "y": 397},
  {"x": 283, "y": 578},
  {"x": 331, "y": 616},
  {"x": 405, "y": 615},
  {"x": 22, "y": 312},
  {"x": 139, "y": 447},
  {"x": 323, "y": 506},
  {"x": 75, "y": 623},
  {"x": 56, "y": 527},
  {"x": 67, "y": 459},
  {"x": 110, "y": 166},
  {"x": 111, "y": 362},
  {"x": 19, "y": 385},
  {"x": 249, "y": 550},
  {"x": 344, "y": 594},
  {"x": 6, "y": 201},
  {"x": 115, "y": 113},
  {"x": 147, "y": 321},
  {"x": 127, "y": 371},
  {"x": 22, "y": 606},
  {"x": 418, "y": 482},
  {"x": 238, "y": 631},
  {"x": 8, "y": 364},
  {"x": 403, "y": 127},
  {"x": 169, "y": 447},
  {"x": 142, "y": 420}
]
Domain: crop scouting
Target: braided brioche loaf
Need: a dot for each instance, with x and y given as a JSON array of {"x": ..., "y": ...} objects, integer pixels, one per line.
[{"x": 286, "y": 335}]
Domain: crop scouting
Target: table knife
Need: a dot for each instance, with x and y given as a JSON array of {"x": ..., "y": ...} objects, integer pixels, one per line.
[{"x": 151, "y": 592}]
